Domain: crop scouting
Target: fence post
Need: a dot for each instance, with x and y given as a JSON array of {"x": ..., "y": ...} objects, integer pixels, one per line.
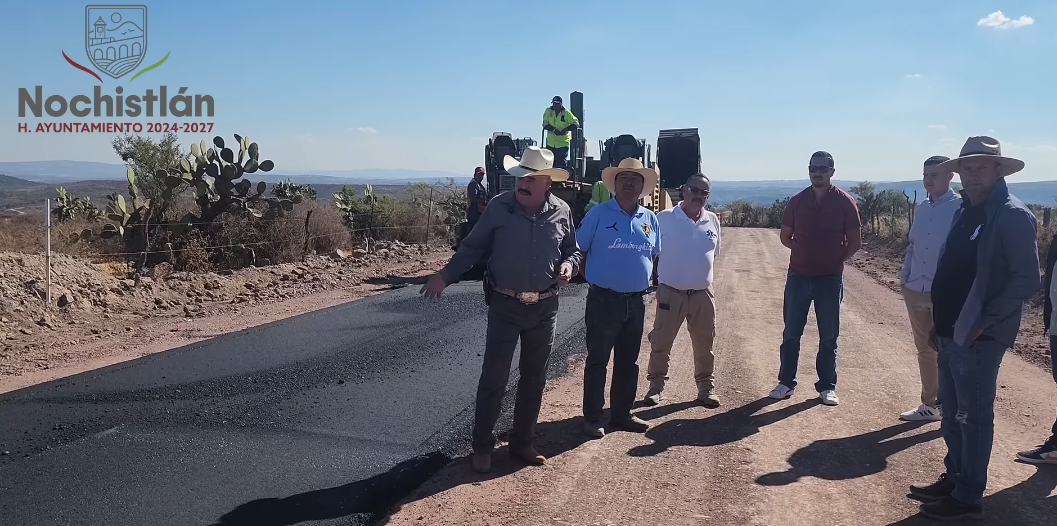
[
  {"x": 307, "y": 237},
  {"x": 429, "y": 214},
  {"x": 47, "y": 253}
]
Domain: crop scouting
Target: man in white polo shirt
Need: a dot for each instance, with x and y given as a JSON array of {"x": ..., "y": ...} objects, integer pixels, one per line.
[
  {"x": 689, "y": 245},
  {"x": 932, "y": 221}
]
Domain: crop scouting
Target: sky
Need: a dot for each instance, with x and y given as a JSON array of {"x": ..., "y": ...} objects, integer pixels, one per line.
[{"x": 421, "y": 85}]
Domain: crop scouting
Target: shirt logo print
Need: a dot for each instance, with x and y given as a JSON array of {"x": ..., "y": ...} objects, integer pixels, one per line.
[
  {"x": 646, "y": 229},
  {"x": 710, "y": 235},
  {"x": 613, "y": 226},
  {"x": 975, "y": 233}
]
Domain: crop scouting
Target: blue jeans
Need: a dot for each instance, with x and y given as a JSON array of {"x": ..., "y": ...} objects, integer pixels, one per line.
[
  {"x": 615, "y": 323},
  {"x": 968, "y": 385},
  {"x": 1053, "y": 366},
  {"x": 827, "y": 292}
]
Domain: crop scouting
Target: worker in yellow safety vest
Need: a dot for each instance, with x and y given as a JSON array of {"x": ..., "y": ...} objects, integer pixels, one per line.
[
  {"x": 559, "y": 123},
  {"x": 599, "y": 195}
]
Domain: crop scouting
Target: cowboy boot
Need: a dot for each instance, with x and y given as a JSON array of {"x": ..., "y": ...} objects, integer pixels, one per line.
[{"x": 528, "y": 454}]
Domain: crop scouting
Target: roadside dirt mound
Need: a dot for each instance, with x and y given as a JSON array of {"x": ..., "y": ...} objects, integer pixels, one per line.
[{"x": 93, "y": 301}]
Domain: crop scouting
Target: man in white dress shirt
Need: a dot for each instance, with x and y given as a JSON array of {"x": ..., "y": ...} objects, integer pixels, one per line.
[
  {"x": 932, "y": 222},
  {"x": 690, "y": 239}
]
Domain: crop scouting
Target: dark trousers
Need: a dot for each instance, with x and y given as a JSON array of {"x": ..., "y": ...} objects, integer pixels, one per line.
[
  {"x": 968, "y": 385},
  {"x": 560, "y": 155},
  {"x": 827, "y": 292},
  {"x": 508, "y": 321},
  {"x": 614, "y": 326},
  {"x": 1053, "y": 366}
]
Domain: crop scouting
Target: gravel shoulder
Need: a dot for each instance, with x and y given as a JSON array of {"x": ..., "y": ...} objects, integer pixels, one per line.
[{"x": 754, "y": 461}]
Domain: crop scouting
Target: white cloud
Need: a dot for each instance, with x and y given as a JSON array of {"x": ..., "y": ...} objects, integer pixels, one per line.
[
  {"x": 361, "y": 129},
  {"x": 914, "y": 76},
  {"x": 998, "y": 20},
  {"x": 937, "y": 126}
]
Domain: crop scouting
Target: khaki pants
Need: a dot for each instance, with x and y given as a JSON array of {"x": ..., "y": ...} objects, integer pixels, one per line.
[
  {"x": 919, "y": 307},
  {"x": 698, "y": 309}
]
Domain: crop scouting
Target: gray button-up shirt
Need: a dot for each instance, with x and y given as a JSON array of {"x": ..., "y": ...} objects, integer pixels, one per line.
[
  {"x": 932, "y": 223},
  {"x": 524, "y": 252}
]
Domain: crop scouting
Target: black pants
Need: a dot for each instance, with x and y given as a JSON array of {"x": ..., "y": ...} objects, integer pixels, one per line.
[
  {"x": 508, "y": 321},
  {"x": 614, "y": 325}
]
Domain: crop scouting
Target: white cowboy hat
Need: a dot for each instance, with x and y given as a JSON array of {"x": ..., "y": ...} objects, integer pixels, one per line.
[
  {"x": 983, "y": 147},
  {"x": 535, "y": 161},
  {"x": 630, "y": 164}
]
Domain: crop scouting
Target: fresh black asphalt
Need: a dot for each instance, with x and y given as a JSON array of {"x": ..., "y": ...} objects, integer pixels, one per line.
[{"x": 325, "y": 418}]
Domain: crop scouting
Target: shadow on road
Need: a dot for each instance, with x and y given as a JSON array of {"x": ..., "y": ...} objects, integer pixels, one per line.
[
  {"x": 363, "y": 497},
  {"x": 1027, "y": 503},
  {"x": 552, "y": 439},
  {"x": 734, "y": 425},
  {"x": 373, "y": 499},
  {"x": 849, "y": 457}
]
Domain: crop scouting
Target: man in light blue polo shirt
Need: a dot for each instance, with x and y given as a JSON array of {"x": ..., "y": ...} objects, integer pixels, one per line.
[{"x": 620, "y": 239}]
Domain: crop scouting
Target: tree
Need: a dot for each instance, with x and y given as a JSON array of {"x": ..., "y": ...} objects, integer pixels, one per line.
[
  {"x": 776, "y": 213},
  {"x": 869, "y": 203},
  {"x": 148, "y": 157}
]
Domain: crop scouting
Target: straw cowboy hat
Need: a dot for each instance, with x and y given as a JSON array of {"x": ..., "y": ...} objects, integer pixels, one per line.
[
  {"x": 983, "y": 147},
  {"x": 535, "y": 161},
  {"x": 631, "y": 164}
]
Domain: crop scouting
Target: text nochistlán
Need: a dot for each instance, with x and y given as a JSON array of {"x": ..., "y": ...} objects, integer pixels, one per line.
[{"x": 119, "y": 105}]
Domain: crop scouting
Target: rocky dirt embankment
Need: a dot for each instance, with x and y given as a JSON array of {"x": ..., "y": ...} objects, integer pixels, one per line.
[{"x": 100, "y": 311}]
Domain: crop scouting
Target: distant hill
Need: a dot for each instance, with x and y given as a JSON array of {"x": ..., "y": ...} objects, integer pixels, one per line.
[
  {"x": 58, "y": 172},
  {"x": 766, "y": 192},
  {"x": 13, "y": 183},
  {"x": 76, "y": 175}
]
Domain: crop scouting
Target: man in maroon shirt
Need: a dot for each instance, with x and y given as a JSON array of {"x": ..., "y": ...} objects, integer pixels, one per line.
[{"x": 822, "y": 230}]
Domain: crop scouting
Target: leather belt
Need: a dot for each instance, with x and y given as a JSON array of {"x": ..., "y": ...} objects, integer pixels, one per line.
[
  {"x": 528, "y": 298},
  {"x": 689, "y": 292}
]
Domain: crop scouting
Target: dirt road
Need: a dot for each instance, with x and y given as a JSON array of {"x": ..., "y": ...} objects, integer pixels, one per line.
[{"x": 755, "y": 461}]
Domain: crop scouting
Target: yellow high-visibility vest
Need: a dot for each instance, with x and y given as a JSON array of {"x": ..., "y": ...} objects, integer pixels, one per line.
[
  {"x": 560, "y": 121},
  {"x": 599, "y": 195}
]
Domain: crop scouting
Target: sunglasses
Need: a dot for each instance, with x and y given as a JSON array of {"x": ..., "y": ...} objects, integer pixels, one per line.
[
  {"x": 818, "y": 169},
  {"x": 698, "y": 191}
]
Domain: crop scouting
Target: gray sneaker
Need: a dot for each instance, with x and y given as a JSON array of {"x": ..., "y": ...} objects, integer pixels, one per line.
[{"x": 653, "y": 397}]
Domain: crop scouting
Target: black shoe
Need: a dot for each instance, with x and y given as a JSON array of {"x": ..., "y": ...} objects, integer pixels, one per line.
[
  {"x": 630, "y": 423},
  {"x": 952, "y": 509},
  {"x": 938, "y": 490}
]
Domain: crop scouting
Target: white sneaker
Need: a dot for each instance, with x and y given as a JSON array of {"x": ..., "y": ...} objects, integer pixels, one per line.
[
  {"x": 923, "y": 412},
  {"x": 829, "y": 397},
  {"x": 781, "y": 392}
]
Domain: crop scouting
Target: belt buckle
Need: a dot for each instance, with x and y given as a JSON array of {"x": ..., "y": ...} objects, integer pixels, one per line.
[{"x": 528, "y": 298}]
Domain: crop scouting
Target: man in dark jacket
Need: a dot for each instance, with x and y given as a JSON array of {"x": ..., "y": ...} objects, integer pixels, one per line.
[{"x": 988, "y": 268}]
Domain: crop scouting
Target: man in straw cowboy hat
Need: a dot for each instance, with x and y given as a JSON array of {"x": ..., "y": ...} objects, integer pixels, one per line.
[
  {"x": 621, "y": 240},
  {"x": 530, "y": 242},
  {"x": 691, "y": 237},
  {"x": 988, "y": 268}
]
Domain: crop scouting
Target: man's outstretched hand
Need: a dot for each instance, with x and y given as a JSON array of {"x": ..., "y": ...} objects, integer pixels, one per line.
[
  {"x": 433, "y": 287},
  {"x": 565, "y": 273}
]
